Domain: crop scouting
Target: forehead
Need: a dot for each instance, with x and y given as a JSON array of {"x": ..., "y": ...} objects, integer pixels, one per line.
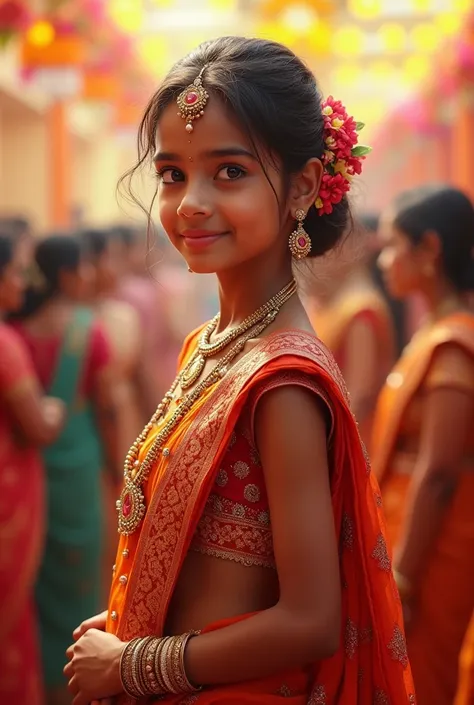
[{"x": 217, "y": 128}]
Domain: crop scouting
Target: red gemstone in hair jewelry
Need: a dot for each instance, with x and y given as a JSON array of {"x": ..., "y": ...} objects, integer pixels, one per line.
[
  {"x": 127, "y": 505},
  {"x": 191, "y": 98},
  {"x": 301, "y": 241}
]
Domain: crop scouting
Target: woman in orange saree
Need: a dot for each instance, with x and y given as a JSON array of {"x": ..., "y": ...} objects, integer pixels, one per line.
[
  {"x": 351, "y": 316},
  {"x": 252, "y": 559},
  {"x": 26, "y": 422},
  {"x": 422, "y": 452}
]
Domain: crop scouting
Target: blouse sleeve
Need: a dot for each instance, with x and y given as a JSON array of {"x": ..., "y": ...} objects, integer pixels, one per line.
[
  {"x": 292, "y": 378},
  {"x": 16, "y": 368},
  {"x": 451, "y": 367}
]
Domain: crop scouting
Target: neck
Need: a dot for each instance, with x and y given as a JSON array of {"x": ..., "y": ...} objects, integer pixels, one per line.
[
  {"x": 241, "y": 294},
  {"x": 442, "y": 299}
]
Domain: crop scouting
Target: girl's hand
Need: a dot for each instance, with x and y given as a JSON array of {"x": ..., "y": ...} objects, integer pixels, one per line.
[
  {"x": 94, "y": 667},
  {"x": 96, "y": 622}
]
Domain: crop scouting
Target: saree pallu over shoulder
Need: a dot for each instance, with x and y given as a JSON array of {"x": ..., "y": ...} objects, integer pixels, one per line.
[
  {"x": 371, "y": 666},
  {"x": 405, "y": 380}
]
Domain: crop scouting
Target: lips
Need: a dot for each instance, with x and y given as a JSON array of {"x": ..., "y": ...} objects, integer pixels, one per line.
[
  {"x": 197, "y": 240},
  {"x": 198, "y": 234}
]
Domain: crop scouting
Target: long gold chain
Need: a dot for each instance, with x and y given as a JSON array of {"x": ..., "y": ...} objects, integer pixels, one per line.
[{"x": 131, "y": 506}]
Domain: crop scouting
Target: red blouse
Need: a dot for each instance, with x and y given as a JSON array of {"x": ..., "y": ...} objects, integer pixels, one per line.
[{"x": 236, "y": 523}]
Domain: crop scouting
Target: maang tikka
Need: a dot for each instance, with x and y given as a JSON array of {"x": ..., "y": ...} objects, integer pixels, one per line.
[
  {"x": 192, "y": 101},
  {"x": 300, "y": 243}
]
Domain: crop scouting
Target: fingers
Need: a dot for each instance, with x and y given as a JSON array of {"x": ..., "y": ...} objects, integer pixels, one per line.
[
  {"x": 68, "y": 670},
  {"x": 70, "y": 652},
  {"x": 73, "y": 686}
]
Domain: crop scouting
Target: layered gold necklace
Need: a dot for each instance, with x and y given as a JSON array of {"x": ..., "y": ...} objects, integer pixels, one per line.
[{"x": 131, "y": 506}]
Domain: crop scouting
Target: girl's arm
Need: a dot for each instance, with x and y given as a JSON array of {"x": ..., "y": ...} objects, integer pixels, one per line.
[{"x": 304, "y": 626}]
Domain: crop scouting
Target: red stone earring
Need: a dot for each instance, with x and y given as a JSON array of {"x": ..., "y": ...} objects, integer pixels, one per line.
[{"x": 300, "y": 243}]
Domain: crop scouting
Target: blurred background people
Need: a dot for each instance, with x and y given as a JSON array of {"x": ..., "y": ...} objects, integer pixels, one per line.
[
  {"x": 71, "y": 354},
  {"x": 423, "y": 447},
  {"x": 351, "y": 316},
  {"x": 28, "y": 421}
]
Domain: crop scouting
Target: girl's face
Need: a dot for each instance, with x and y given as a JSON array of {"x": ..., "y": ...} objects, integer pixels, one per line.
[
  {"x": 12, "y": 279},
  {"x": 400, "y": 261},
  {"x": 215, "y": 201},
  {"x": 77, "y": 284}
]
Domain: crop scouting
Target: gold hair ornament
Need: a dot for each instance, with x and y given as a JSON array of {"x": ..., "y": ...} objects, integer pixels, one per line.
[{"x": 192, "y": 101}]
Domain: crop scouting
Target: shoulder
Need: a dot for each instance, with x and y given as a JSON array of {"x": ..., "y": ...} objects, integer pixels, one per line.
[{"x": 452, "y": 365}]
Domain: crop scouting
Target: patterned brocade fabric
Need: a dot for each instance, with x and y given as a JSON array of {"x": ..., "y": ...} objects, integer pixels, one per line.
[{"x": 235, "y": 524}]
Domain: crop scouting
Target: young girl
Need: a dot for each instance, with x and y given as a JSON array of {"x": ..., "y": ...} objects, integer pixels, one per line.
[
  {"x": 71, "y": 355},
  {"x": 28, "y": 420},
  {"x": 252, "y": 564},
  {"x": 422, "y": 453}
]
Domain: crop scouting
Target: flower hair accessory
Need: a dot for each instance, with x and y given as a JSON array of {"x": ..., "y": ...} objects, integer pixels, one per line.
[{"x": 343, "y": 156}]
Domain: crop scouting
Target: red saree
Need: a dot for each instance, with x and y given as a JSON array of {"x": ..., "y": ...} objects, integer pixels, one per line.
[
  {"x": 371, "y": 665},
  {"x": 21, "y": 536}
]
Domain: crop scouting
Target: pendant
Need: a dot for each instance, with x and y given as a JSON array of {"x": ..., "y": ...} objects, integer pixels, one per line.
[
  {"x": 131, "y": 508},
  {"x": 193, "y": 371}
]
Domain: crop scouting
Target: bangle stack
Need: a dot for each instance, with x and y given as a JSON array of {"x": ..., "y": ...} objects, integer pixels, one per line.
[{"x": 155, "y": 666}]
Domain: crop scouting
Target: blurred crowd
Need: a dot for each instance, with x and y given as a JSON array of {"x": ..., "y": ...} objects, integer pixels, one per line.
[{"x": 92, "y": 324}]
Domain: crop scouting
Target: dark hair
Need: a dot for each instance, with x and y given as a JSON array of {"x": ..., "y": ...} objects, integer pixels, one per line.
[
  {"x": 53, "y": 255},
  {"x": 16, "y": 227},
  {"x": 7, "y": 248},
  {"x": 450, "y": 214},
  {"x": 124, "y": 234},
  {"x": 369, "y": 222},
  {"x": 95, "y": 241},
  {"x": 276, "y": 101}
]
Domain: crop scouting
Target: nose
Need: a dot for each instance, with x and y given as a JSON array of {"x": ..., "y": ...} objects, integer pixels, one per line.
[{"x": 194, "y": 203}]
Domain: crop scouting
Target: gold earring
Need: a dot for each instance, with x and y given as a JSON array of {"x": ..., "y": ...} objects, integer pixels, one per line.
[{"x": 300, "y": 243}]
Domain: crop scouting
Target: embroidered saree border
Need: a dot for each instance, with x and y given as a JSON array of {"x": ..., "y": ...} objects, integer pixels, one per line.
[{"x": 166, "y": 533}]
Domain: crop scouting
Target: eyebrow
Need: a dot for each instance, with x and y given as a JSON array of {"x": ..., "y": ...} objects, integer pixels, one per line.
[{"x": 214, "y": 153}]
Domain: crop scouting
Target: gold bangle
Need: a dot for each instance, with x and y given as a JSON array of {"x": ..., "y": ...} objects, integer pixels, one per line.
[{"x": 126, "y": 667}]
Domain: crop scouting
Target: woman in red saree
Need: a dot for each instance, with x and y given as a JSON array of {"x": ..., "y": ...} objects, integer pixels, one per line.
[
  {"x": 258, "y": 524},
  {"x": 422, "y": 450},
  {"x": 27, "y": 421}
]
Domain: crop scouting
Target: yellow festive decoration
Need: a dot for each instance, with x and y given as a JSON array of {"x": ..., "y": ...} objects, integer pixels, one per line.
[
  {"x": 222, "y": 5},
  {"x": 127, "y": 14},
  {"x": 462, "y": 5},
  {"x": 155, "y": 53},
  {"x": 380, "y": 70},
  {"x": 449, "y": 23},
  {"x": 365, "y": 9},
  {"x": 393, "y": 37},
  {"x": 422, "y": 5},
  {"x": 40, "y": 34},
  {"x": 278, "y": 33},
  {"x": 416, "y": 69},
  {"x": 347, "y": 75},
  {"x": 425, "y": 37},
  {"x": 349, "y": 40},
  {"x": 319, "y": 39}
]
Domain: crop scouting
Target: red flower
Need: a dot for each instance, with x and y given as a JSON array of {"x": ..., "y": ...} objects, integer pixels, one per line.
[
  {"x": 13, "y": 16},
  {"x": 355, "y": 163},
  {"x": 332, "y": 191}
]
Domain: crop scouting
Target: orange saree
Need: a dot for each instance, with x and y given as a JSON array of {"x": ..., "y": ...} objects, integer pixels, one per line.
[
  {"x": 371, "y": 665},
  {"x": 21, "y": 535},
  {"x": 465, "y": 695},
  {"x": 445, "y": 598}
]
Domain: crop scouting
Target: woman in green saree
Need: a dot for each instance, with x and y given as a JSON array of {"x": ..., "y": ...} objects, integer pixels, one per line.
[{"x": 71, "y": 354}]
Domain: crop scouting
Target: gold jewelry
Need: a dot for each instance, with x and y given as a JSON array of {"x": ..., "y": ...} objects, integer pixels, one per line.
[
  {"x": 155, "y": 666},
  {"x": 192, "y": 101},
  {"x": 131, "y": 504},
  {"x": 193, "y": 370},
  {"x": 300, "y": 243}
]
